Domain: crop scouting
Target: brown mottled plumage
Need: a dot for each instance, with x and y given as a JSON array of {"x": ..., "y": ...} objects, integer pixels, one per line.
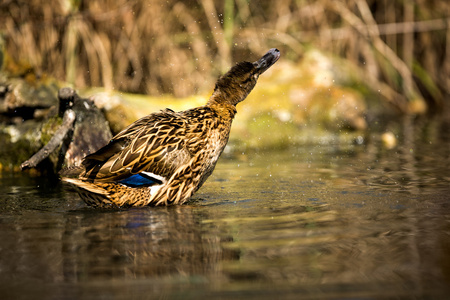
[{"x": 165, "y": 157}]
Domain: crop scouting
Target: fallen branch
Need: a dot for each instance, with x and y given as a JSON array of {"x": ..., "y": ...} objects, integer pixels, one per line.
[{"x": 68, "y": 119}]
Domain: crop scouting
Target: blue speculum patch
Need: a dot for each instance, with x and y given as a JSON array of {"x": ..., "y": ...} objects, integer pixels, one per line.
[{"x": 139, "y": 180}]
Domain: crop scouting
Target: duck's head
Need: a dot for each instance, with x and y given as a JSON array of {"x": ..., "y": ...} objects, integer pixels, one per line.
[{"x": 236, "y": 84}]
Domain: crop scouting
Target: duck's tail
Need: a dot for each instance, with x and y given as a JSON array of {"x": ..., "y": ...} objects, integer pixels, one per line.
[
  {"x": 93, "y": 195},
  {"x": 85, "y": 185}
]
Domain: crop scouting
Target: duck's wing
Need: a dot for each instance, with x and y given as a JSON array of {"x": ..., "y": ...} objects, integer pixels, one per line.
[{"x": 145, "y": 153}]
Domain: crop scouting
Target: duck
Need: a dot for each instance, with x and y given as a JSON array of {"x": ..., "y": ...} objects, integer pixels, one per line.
[{"x": 163, "y": 158}]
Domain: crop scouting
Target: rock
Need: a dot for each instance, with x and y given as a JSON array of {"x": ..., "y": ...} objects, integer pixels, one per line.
[
  {"x": 18, "y": 98},
  {"x": 25, "y": 129},
  {"x": 91, "y": 130},
  {"x": 118, "y": 114}
]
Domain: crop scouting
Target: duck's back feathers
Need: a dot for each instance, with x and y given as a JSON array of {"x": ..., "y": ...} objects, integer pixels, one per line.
[{"x": 154, "y": 144}]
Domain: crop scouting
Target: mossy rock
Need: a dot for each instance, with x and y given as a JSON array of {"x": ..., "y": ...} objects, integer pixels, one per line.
[{"x": 18, "y": 143}]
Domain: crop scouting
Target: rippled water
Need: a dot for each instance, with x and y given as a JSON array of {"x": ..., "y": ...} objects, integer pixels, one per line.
[{"x": 312, "y": 222}]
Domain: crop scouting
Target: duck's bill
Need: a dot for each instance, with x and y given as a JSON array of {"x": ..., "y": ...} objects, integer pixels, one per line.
[{"x": 267, "y": 60}]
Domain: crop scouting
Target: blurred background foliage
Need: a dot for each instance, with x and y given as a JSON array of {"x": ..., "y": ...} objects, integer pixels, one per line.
[
  {"x": 352, "y": 72},
  {"x": 400, "y": 48}
]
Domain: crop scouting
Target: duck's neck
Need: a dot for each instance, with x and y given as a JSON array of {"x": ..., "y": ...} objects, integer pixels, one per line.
[{"x": 224, "y": 108}]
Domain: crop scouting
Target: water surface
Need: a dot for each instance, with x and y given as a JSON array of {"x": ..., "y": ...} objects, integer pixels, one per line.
[{"x": 308, "y": 222}]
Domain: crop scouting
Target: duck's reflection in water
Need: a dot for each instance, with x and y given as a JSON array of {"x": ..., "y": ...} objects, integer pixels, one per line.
[{"x": 89, "y": 244}]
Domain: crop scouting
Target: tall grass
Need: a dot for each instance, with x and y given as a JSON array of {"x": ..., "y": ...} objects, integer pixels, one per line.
[{"x": 401, "y": 47}]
